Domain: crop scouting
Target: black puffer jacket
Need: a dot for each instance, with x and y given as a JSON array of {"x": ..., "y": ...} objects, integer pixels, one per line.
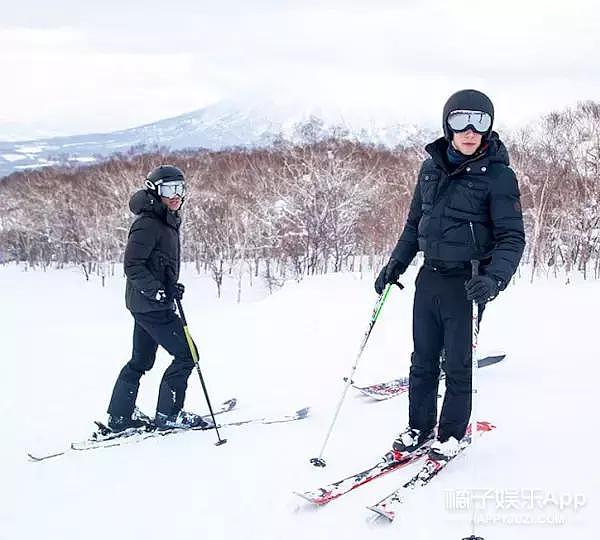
[
  {"x": 473, "y": 212},
  {"x": 152, "y": 254}
]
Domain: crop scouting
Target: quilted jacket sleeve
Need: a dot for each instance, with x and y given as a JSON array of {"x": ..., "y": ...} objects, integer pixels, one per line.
[
  {"x": 507, "y": 227},
  {"x": 408, "y": 243}
]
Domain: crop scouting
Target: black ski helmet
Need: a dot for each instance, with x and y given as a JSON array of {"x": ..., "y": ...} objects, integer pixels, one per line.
[
  {"x": 163, "y": 173},
  {"x": 467, "y": 100}
]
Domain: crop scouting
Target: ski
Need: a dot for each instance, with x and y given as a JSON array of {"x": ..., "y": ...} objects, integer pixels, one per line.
[
  {"x": 388, "y": 463},
  {"x": 390, "y": 505},
  {"x": 395, "y": 387},
  {"x": 97, "y": 440},
  {"x": 104, "y": 438},
  {"x": 105, "y": 435},
  {"x": 152, "y": 432}
]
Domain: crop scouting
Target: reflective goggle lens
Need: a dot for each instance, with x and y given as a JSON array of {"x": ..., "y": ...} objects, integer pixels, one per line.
[
  {"x": 171, "y": 189},
  {"x": 461, "y": 120}
]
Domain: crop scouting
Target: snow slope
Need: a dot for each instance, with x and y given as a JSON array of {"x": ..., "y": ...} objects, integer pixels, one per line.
[{"x": 64, "y": 341}]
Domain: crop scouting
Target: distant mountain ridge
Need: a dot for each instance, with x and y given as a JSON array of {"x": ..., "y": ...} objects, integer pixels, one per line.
[{"x": 222, "y": 125}]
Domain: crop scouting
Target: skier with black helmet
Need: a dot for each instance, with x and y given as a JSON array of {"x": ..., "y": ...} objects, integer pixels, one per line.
[
  {"x": 466, "y": 206},
  {"x": 152, "y": 260}
]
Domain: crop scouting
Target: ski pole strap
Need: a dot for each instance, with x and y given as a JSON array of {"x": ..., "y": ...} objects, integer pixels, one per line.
[{"x": 474, "y": 267}]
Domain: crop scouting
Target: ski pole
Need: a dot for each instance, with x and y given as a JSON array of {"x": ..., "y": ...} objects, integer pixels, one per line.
[
  {"x": 474, "y": 363},
  {"x": 474, "y": 383},
  {"x": 319, "y": 461},
  {"x": 194, "y": 351}
]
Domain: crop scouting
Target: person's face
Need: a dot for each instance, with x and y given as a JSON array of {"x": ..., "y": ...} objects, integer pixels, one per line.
[
  {"x": 173, "y": 203},
  {"x": 467, "y": 142}
]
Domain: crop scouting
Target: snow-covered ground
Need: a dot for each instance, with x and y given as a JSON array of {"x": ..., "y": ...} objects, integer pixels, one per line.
[{"x": 64, "y": 341}]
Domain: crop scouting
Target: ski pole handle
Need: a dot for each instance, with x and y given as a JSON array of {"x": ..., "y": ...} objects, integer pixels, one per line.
[{"x": 380, "y": 302}]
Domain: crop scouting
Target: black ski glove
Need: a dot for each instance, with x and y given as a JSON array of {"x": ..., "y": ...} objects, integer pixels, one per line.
[
  {"x": 481, "y": 289},
  {"x": 176, "y": 291},
  {"x": 389, "y": 274}
]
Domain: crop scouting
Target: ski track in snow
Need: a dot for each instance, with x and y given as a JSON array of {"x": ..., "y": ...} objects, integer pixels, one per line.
[{"x": 64, "y": 341}]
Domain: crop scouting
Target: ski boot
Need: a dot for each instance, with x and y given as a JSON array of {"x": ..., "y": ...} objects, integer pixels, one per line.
[
  {"x": 117, "y": 424},
  {"x": 411, "y": 439},
  {"x": 182, "y": 420},
  {"x": 444, "y": 450}
]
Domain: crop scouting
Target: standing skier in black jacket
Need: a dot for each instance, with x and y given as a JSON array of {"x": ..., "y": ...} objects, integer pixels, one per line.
[
  {"x": 465, "y": 206},
  {"x": 152, "y": 259}
]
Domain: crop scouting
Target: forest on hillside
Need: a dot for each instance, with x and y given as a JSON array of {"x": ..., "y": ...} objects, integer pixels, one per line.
[{"x": 293, "y": 209}]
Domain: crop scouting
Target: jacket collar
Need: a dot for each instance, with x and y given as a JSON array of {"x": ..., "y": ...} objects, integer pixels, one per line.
[{"x": 493, "y": 151}]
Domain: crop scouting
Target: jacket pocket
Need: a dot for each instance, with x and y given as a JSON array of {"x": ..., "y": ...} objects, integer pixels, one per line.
[
  {"x": 429, "y": 184},
  {"x": 456, "y": 227}
]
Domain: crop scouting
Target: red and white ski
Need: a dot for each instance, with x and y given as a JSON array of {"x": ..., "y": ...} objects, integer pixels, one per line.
[
  {"x": 389, "y": 506},
  {"x": 390, "y": 462}
]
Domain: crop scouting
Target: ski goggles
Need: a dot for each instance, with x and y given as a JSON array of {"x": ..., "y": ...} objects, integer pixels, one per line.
[
  {"x": 171, "y": 189},
  {"x": 459, "y": 121}
]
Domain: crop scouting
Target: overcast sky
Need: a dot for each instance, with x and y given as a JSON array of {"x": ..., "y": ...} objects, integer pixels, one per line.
[{"x": 71, "y": 68}]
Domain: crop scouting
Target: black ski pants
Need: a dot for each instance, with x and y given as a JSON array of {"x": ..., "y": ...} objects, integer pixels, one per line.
[
  {"x": 150, "y": 330},
  {"x": 441, "y": 320}
]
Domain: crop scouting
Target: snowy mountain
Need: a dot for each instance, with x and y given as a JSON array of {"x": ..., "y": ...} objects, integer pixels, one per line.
[
  {"x": 222, "y": 125},
  {"x": 291, "y": 349}
]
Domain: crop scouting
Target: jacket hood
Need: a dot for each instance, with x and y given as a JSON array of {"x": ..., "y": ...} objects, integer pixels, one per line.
[
  {"x": 144, "y": 202},
  {"x": 495, "y": 152}
]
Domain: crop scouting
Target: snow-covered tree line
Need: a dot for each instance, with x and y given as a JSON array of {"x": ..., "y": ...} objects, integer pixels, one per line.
[
  {"x": 557, "y": 162},
  {"x": 296, "y": 209}
]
